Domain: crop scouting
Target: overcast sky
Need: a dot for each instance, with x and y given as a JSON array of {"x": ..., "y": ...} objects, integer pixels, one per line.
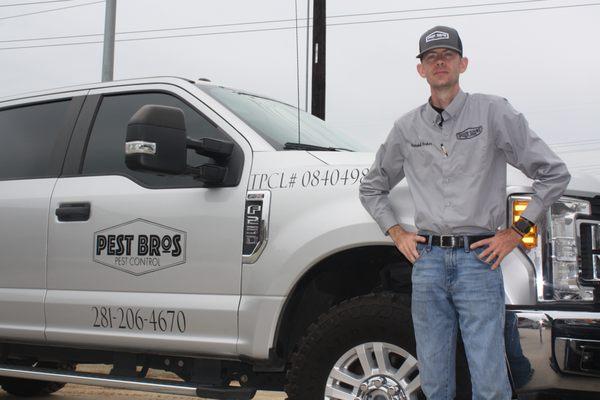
[{"x": 545, "y": 61}]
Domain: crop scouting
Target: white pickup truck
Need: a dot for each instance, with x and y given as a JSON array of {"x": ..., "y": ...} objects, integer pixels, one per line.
[{"x": 177, "y": 225}]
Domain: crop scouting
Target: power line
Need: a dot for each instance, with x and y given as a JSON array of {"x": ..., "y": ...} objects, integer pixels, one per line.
[
  {"x": 154, "y": 30},
  {"x": 34, "y": 2},
  {"x": 51, "y": 10},
  {"x": 305, "y": 26},
  {"x": 501, "y": 3},
  {"x": 51, "y": 38},
  {"x": 468, "y": 14},
  {"x": 276, "y": 21}
]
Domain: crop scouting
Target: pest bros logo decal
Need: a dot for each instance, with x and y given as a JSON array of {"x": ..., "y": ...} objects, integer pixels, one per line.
[{"x": 139, "y": 247}]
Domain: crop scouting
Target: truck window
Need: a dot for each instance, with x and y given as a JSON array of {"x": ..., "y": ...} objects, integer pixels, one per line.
[
  {"x": 28, "y": 135},
  {"x": 105, "y": 154}
]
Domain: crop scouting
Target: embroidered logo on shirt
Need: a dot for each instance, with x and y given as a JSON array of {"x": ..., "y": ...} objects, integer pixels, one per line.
[
  {"x": 421, "y": 144},
  {"x": 469, "y": 133},
  {"x": 437, "y": 35}
]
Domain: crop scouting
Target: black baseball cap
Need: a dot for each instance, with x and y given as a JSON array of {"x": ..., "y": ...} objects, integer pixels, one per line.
[{"x": 440, "y": 37}]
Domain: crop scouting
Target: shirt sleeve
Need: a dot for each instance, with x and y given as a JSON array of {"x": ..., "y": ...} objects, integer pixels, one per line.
[
  {"x": 532, "y": 156},
  {"x": 385, "y": 173}
]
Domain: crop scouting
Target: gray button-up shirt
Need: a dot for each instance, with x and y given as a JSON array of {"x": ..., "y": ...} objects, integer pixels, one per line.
[{"x": 456, "y": 173}]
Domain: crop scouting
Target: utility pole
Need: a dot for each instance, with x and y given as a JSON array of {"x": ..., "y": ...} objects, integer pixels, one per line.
[
  {"x": 318, "y": 67},
  {"x": 108, "y": 57},
  {"x": 307, "y": 52}
]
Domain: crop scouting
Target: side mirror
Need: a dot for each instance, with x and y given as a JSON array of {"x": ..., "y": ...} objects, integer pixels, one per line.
[{"x": 156, "y": 140}]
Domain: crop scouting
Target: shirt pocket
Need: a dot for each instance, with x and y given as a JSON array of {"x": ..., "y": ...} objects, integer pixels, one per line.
[
  {"x": 421, "y": 155},
  {"x": 471, "y": 149}
]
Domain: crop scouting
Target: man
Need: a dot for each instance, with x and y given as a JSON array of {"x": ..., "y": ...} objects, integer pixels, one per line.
[{"x": 453, "y": 151}]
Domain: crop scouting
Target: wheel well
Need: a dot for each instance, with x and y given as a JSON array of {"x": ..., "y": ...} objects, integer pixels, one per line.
[{"x": 340, "y": 276}]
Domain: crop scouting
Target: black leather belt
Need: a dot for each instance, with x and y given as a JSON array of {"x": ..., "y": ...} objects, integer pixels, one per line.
[{"x": 449, "y": 241}]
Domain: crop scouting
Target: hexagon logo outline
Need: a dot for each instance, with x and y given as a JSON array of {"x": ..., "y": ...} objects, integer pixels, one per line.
[{"x": 182, "y": 259}]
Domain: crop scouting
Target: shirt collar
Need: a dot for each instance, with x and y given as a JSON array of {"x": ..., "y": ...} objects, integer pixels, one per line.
[{"x": 451, "y": 111}]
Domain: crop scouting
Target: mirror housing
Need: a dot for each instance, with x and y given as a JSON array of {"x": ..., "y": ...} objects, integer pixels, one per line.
[{"x": 156, "y": 140}]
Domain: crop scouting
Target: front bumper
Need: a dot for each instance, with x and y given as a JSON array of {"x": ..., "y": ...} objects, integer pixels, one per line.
[{"x": 553, "y": 350}]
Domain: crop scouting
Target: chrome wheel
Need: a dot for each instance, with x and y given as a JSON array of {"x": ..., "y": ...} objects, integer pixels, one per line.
[{"x": 374, "y": 371}]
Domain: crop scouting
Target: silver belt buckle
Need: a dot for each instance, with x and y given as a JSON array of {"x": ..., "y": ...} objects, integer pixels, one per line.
[{"x": 445, "y": 239}]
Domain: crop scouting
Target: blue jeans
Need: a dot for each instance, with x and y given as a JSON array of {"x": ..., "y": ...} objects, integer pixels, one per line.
[{"x": 452, "y": 288}]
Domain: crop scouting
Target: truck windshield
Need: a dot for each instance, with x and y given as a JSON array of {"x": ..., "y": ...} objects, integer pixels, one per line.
[{"x": 277, "y": 122}]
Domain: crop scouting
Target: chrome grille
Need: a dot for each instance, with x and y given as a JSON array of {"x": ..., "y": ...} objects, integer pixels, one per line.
[{"x": 588, "y": 229}]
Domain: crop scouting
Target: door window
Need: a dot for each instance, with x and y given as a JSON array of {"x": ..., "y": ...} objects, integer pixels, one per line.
[
  {"x": 28, "y": 136},
  {"x": 105, "y": 153}
]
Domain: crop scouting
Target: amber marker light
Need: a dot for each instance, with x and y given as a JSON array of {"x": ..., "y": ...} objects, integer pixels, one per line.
[{"x": 530, "y": 240}]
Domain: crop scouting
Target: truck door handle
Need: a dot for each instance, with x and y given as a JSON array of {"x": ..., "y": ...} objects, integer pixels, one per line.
[{"x": 68, "y": 212}]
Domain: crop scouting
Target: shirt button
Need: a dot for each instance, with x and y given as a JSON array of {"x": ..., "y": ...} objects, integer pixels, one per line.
[
  {"x": 446, "y": 180},
  {"x": 448, "y": 204}
]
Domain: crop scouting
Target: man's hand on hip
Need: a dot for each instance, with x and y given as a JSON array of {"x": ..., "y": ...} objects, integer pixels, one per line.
[
  {"x": 406, "y": 242},
  {"x": 498, "y": 246}
]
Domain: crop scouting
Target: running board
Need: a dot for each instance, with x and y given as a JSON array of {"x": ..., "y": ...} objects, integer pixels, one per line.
[{"x": 146, "y": 385}]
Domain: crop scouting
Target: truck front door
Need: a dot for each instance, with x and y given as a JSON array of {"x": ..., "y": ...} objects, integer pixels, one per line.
[{"x": 140, "y": 260}]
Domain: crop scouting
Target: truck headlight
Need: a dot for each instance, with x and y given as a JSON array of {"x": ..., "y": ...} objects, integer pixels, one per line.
[
  {"x": 518, "y": 205},
  {"x": 556, "y": 260},
  {"x": 562, "y": 235}
]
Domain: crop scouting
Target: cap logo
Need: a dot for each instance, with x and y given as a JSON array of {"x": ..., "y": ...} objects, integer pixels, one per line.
[{"x": 437, "y": 35}]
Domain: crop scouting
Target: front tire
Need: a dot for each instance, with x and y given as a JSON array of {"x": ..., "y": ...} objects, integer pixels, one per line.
[{"x": 362, "y": 348}]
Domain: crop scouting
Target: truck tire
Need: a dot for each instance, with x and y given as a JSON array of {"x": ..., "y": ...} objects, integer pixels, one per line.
[
  {"x": 353, "y": 349},
  {"x": 32, "y": 388}
]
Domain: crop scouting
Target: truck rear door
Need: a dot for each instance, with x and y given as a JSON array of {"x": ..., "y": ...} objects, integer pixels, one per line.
[{"x": 34, "y": 133}]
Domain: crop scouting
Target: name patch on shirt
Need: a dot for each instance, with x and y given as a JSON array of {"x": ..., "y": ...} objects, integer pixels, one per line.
[
  {"x": 421, "y": 144},
  {"x": 469, "y": 133}
]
